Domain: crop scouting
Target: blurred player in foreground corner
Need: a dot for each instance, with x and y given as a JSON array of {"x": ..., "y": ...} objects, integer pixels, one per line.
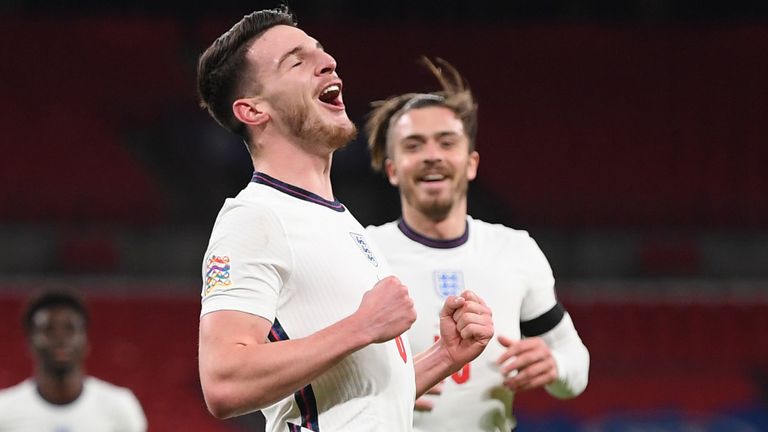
[
  {"x": 425, "y": 144},
  {"x": 60, "y": 396}
]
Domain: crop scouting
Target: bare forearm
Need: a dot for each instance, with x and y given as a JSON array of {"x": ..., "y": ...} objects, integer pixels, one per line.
[
  {"x": 431, "y": 367},
  {"x": 240, "y": 372},
  {"x": 244, "y": 377}
]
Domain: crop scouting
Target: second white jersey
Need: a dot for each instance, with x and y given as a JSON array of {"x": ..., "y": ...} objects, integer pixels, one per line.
[
  {"x": 304, "y": 263},
  {"x": 503, "y": 266},
  {"x": 101, "y": 407}
]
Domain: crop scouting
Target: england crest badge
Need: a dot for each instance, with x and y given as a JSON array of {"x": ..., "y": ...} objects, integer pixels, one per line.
[
  {"x": 360, "y": 242},
  {"x": 448, "y": 282}
]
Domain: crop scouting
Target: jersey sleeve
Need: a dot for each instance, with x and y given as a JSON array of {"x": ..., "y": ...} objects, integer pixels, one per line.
[
  {"x": 246, "y": 263},
  {"x": 571, "y": 358},
  {"x": 539, "y": 281},
  {"x": 542, "y": 315}
]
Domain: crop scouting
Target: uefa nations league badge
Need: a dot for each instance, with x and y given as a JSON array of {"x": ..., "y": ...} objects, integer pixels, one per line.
[{"x": 448, "y": 282}]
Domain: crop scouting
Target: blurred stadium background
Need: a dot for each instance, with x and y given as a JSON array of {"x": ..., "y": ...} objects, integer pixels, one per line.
[{"x": 630, "y": 138}]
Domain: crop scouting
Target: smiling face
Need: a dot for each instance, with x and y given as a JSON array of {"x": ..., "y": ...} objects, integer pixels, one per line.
[
  {"x": 300, "y": 90},
  {"x": 58, "y": 340},
  {"x": 430, "y": 161}
]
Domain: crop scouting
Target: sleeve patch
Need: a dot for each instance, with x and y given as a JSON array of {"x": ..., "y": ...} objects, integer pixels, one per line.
[{"x": 217, "y": 272}]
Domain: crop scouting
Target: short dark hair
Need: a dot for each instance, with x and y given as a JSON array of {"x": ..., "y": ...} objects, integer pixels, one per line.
[
  {"x": 455, "y": 95},
  {"x": 54, "y": 298},
  {"x": 222, "y": 67}
]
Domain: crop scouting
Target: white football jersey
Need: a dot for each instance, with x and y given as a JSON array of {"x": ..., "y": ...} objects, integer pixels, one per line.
[
  {"x": 101, "y": 407},
  {"x": 506, "y": 268},
  {"x": 304, "y": 263}
]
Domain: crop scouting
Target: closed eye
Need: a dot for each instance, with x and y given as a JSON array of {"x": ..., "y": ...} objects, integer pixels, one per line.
[
  {"x": 448, "y": 143},
  {"x": 411, "y": 146},
  {"x": 297, "y": 64}
]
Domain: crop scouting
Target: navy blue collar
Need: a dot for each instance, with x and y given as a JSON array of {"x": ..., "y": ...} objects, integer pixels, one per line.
[
  {"x": 296, "y": 191},
  {"x": 430, "y": 242}
]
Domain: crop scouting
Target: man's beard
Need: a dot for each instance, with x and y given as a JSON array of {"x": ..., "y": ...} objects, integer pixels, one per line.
[
  {"x": 438, "y": 208},
  {"x": 311, "y": 130}
]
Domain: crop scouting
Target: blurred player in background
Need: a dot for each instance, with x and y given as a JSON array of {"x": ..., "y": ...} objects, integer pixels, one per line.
[
  {"x": 300, "y": 314},
  {"x": 425, "y": 145},
  {"x": 60, "y": 396}
]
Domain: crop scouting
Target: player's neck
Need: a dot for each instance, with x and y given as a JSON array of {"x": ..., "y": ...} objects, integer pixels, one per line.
[
  {"x": 451, "y": 227},
  {"x": 59, "y": 389},
  {"x": 293, "y": 164}
]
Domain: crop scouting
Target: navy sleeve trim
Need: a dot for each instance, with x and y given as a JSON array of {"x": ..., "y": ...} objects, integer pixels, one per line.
[{"x": 544, "y": 322}]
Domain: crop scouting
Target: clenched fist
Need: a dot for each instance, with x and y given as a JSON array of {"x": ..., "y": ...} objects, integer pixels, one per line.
[
  {"x": 386, "y": 310},
  {"x": 466, "y": 327}
]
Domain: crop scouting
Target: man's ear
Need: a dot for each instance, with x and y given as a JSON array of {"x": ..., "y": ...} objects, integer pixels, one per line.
[
  {"x": 474, "y": 161},
  {"x": 250, "y": 112},
  {"x": 389, "y": 168}
]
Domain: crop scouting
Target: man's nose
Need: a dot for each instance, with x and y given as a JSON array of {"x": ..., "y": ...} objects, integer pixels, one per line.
[
  {"x": 432, "y": 151},
  {"x": 60, "y": 334},
  {"x": 326, "y": 64}
]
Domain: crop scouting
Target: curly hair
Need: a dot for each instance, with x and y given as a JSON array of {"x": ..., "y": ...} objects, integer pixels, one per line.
[{"x": 455, "y": 95}]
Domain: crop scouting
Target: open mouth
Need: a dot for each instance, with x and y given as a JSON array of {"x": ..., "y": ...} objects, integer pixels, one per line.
[
  {"x": 432, "y": 177},
  {"x": 331, "y": 95}
]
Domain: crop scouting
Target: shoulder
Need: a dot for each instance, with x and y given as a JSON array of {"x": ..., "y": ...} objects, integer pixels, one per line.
[
  {"x": 242, "y": 215},
  {"x": 251, "y": 201},
  {"x": 516, "y": 246},
  {"x": 387, "y": 237},
  {"x": 120, "y": 398},
  {"x": 120, "y": 401},
  {"x": 106, "y": 389},
  {"x": 382, "y": 230},
  {"x": 22, "y": 390},
  {"x": 486, "y": 232}
]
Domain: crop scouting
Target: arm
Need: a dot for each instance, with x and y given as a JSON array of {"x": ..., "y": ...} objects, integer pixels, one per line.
[
  {"x": 466, "y": 328},
  {"x": 424, "y": 403},
  {"x": 571, "y": 357},
  {"x": 241, "y": 372},
  {"x": 552, "y": 354},
  {"x": 556, "y": 360}
]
